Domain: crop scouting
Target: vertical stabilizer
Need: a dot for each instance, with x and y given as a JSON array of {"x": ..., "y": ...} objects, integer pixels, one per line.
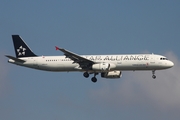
[{"x": 21, "y": 48}]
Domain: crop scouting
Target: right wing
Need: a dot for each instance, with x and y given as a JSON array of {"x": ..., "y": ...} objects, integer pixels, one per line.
[{"x": 83, "y": 62}]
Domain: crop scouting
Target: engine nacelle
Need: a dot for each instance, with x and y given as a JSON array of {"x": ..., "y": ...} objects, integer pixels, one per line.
[
  {"x": 103, "y": 66},
  {"x": 112, "y": 74}
]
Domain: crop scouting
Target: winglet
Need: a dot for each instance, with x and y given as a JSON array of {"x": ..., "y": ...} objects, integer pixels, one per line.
[{"x": 57, "y": 48}]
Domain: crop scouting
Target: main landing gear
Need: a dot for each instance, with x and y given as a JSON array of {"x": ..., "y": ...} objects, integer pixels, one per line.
[
  {"x": 93, "y": 79},
  {"x": 86, "y": 74},
  {"x": 153, "y": 76}
]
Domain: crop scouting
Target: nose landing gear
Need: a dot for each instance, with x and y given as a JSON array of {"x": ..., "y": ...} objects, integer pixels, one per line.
[{"x": 153, "y": 76}]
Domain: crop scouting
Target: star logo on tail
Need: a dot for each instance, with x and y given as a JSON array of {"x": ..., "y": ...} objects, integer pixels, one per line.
[{"x": 21, "y": 51}]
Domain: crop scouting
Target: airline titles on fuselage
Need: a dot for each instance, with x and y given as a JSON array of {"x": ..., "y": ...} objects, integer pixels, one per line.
[{"x": 114, "y": 58}]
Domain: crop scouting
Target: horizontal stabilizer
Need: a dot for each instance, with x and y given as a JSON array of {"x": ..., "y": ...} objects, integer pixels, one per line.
[{"x": 15, "y": 59}]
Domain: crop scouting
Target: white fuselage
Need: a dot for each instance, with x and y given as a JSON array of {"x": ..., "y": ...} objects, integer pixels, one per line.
[{"x": 119, "y": 62}]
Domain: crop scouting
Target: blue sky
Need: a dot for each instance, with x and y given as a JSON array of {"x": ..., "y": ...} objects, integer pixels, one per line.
[{"x": 90, "y": 27}]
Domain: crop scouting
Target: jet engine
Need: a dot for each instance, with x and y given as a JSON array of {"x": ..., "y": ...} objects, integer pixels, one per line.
[
  {"x": 103, "y": 66},
  {"x": 111, "y": 74}
]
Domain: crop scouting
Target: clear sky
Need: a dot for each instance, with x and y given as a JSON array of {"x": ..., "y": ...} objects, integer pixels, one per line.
[{"x": 90, "y": 27}]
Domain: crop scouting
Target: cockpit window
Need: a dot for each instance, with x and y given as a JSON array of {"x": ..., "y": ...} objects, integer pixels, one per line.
[{"x": 163, "y": 59}]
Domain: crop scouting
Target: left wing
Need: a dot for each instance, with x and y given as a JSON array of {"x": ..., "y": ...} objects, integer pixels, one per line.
[{"x": 83, "y": 62}]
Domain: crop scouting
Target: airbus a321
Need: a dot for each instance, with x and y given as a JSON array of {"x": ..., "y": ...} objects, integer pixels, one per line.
[{"x": 108, "y": 66}]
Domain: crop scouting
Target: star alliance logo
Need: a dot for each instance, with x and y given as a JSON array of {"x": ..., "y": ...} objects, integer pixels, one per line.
[{"x": 21, "y": 51}]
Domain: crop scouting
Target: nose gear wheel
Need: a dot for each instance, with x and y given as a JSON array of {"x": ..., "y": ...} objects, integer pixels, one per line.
[{"x": 153, "y": 76}]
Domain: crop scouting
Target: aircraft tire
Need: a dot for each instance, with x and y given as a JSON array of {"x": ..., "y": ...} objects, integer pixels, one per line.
[
  {"x": 154, "y": 77},
  {"x": 94, "y": 79},
  {"x": 86, "y": 74}
]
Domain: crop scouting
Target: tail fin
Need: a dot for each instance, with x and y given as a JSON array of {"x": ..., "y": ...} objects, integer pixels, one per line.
[{"x": 21, "y": 48}]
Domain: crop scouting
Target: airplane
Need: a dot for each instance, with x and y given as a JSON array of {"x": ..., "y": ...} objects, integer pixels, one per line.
[{"x": 108, "y": 66}]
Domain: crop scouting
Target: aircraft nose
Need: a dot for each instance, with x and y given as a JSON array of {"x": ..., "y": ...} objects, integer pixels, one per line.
[{"x": 171, "y": 64}]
